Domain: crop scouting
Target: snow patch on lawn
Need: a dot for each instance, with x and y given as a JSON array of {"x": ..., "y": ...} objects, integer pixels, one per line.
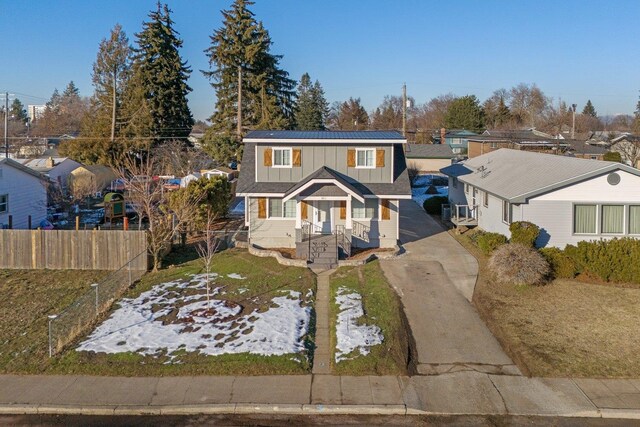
[
  {"x": 176, "y": 316},
  {"x": 235, "y": 276},
  {"x": 351, "y": 335},
  {"x": 421, "y": 184}
]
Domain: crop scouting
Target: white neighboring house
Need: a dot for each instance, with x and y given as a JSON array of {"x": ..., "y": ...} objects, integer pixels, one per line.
[
  {"x": 184, "y": 182},
  {"x": 570, "y": 199},
  {"x": 23, "y": 193},
  {"x": 57, "y": 169}
]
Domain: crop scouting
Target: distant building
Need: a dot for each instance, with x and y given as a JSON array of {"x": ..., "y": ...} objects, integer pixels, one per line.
[
  {"x": 457, "y": 139},
  {"x": 35, "y": 111},
  {"x": 57, "y": 169},
  {"x": 428, "y": 157}
]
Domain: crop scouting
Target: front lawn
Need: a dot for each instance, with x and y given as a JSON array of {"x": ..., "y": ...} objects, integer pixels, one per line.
[
  {"x": 565, "y": 328},
  {"x": 367, "y": 331},
  {"x": 28, "y": 296},
  {"x": 259, "y": 321}
]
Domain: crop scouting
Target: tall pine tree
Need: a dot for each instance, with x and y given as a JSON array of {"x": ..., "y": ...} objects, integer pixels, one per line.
[
  {"x": 589, "y": 109},
  {"x": 312, "y": 107},
  {"x": 162, "y": 77},
  {"x": 247, "y": 76},
  {"x": 99, "y": 133}
]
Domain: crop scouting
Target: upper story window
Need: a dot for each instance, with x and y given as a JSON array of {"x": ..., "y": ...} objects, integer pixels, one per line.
[
  {"x": 282, "y": 157},
  {"x": 4, "y": 203},
  {"x": 365, "y": 158}
]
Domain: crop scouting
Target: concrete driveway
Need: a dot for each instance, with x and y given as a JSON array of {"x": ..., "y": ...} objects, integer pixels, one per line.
[{"x": 435, "y": 278}]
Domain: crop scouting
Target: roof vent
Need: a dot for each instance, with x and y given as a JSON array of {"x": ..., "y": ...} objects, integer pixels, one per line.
[{"x": 613, "y": 178}]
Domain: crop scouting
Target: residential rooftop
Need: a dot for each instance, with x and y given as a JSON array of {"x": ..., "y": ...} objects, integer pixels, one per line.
[
  {"x": 429, "y": 151},
  {"x": 304, "y": 135},
  {"x": 517, "y": 175}
]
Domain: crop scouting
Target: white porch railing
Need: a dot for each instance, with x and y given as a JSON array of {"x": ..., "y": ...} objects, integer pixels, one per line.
[{"x": 464, "y": 214}]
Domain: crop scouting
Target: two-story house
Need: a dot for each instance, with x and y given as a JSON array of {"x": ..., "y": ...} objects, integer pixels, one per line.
[{"x": 323, "y": 190}]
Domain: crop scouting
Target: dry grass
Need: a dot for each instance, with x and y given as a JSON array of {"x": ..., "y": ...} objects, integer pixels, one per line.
[
  {"x": 28, "y": 296},
  {"x": 566, "y": 328}
]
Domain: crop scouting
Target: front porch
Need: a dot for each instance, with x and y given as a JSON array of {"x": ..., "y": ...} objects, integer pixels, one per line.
[{"x": 461, "y": 215}]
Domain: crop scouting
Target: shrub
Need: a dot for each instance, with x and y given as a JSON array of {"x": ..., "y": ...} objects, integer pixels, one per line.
[
  {"x": 433, "y": 205},
  {"x": 614, "y": 260},
  {"x": 562, "y": 265},
  {"x": 489, "y": 242},
  {"x": 524, "y": 232},
  {"x": 518, "y": 264},
  {"x": 612, "y": 156},
  {"x": 431, "y": 190}
]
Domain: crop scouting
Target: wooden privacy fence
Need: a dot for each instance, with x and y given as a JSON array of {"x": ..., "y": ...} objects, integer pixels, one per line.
[{"x": 71, "y": 249}]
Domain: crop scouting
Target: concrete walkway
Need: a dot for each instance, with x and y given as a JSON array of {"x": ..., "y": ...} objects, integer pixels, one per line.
[
  {"x": 460, "y": 393},
  {"x": 435, "y": 280},
  {"x": 322, "y": 352}
]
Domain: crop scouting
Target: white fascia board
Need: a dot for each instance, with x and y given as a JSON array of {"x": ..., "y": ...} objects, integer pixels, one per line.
[{"x": 259, "y": 194}]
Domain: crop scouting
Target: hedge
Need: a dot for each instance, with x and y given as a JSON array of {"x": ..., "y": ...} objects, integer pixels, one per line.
[
  {"x": 489, "y": 242},
  {"x": 433, "y": 205},
  {"x": 524, "y": 232}
]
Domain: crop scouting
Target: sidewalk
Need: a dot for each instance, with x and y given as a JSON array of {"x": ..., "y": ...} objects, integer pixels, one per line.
[{"x": 458, "y": 393}]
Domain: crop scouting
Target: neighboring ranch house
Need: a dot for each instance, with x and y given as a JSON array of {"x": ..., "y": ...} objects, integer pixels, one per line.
[
  {"x": 570, "y": 199},
  {"x": 428, "y": 157},
  {"x": 57, "y": 169},
  {"x": 91, "y": 179},
  {"x": 456, "y": 139},
  {"x": 302, "y": 185},
  {"x": 23, "y": 196}
]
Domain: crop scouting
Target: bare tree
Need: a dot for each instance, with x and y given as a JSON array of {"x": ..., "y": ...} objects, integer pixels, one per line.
[
  {"x": 180, "y": 160},
  {"x": 207, "y": 250},
  {"x": 151, "y": 203},
  {"x": 629, "y": 149}
]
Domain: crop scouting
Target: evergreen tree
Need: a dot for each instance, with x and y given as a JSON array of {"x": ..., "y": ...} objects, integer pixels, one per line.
[
  {"x": 349, "y": 115},
  {"x": 240, "y": 51},
  {"x": 162, "y": 76},
  {"x": 465, "y": 113},
  {"x": 71, "y": 91},
  {"x": 63, "y": 114},
  {"x": 503, "y": 114},
  {"x": 54, "y": 101},
  {"x": 589, "y": 110},
  {"x": 111, "y": 72},
  {"x": 17, "y": 112},
  {"x": 312, "y": 107}
]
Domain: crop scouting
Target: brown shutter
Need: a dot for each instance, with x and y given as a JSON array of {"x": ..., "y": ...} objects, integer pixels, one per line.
[
  {"x": 386, "y": 212},
  {"x": 303, "y": 210},
  {"x": 351, "y": 158},
  {"x": 262, "y": 207},
  {"x": 343, "y": 209},
  {"x": 380, "y": 158},
  {"x": 267, "y": 156},
  {"x": 297, "y": 157}
]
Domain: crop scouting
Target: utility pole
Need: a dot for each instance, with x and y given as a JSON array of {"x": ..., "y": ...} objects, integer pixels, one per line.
[
  {"x": 404, "y": 110},
  {"x": 6, "y": 125},
  {"x": 573, "y": 126},
  {"x": 239, "y": 129}
]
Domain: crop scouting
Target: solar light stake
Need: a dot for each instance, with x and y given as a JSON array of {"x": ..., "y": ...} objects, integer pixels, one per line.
[
  {"x": 95, "y": 286},
  {"x": 51, "y": 318}
]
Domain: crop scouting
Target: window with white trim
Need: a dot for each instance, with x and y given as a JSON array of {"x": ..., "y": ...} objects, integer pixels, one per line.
[
  {"x": 634, "y": 219},
  {"x": 506, "y": 212},
  {"x": 365, "y": 158},
  {"x": 584, "y": 219},
  {"x": 485, "y": 199},
  {"x": 279, "y": 210},
  {"x": 612, "y": 219},
  {"x": 282, "y": 157},
  {"x": 366, "y": 210},
  {"x": 454, "y": 182},
  {"x": 4, "y": 203}
]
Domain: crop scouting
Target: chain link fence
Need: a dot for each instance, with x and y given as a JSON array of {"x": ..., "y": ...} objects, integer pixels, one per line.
[{"x": 78, "y": 317}]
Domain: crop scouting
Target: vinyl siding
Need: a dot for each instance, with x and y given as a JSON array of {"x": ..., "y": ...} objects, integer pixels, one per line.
[
  {"x": 316, "y": 156},
  {"x": 490, "y": 218},
  {"x": 27, "y": 196}
]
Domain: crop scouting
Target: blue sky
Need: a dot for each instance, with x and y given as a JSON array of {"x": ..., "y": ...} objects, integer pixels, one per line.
[{"x": 574, "y": 50}]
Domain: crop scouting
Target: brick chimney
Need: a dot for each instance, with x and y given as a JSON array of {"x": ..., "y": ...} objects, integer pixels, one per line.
[
  {"x": 50, "y": 162},
  {"x": 443, "y": 138}
]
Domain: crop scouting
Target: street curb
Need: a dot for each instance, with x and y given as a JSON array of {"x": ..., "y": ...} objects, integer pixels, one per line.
[{"x": 288, "y": 409}]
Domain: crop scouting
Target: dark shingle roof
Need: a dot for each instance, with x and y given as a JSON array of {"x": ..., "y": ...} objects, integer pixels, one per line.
[
  {"x": 429, "y": 151},
  {"x": 324, "y": 135},
  {"x": 325, "y": 173}
]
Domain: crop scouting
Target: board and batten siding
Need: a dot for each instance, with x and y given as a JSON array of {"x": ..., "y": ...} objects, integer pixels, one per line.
[
  {"x": 27, "y": 196},
  {"x": 270, "y": 232},
  {"x": 313, "y": 157}
]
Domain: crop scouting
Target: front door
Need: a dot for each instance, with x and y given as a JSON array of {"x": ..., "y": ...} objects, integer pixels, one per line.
[{"x": 322, "y": 216}]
